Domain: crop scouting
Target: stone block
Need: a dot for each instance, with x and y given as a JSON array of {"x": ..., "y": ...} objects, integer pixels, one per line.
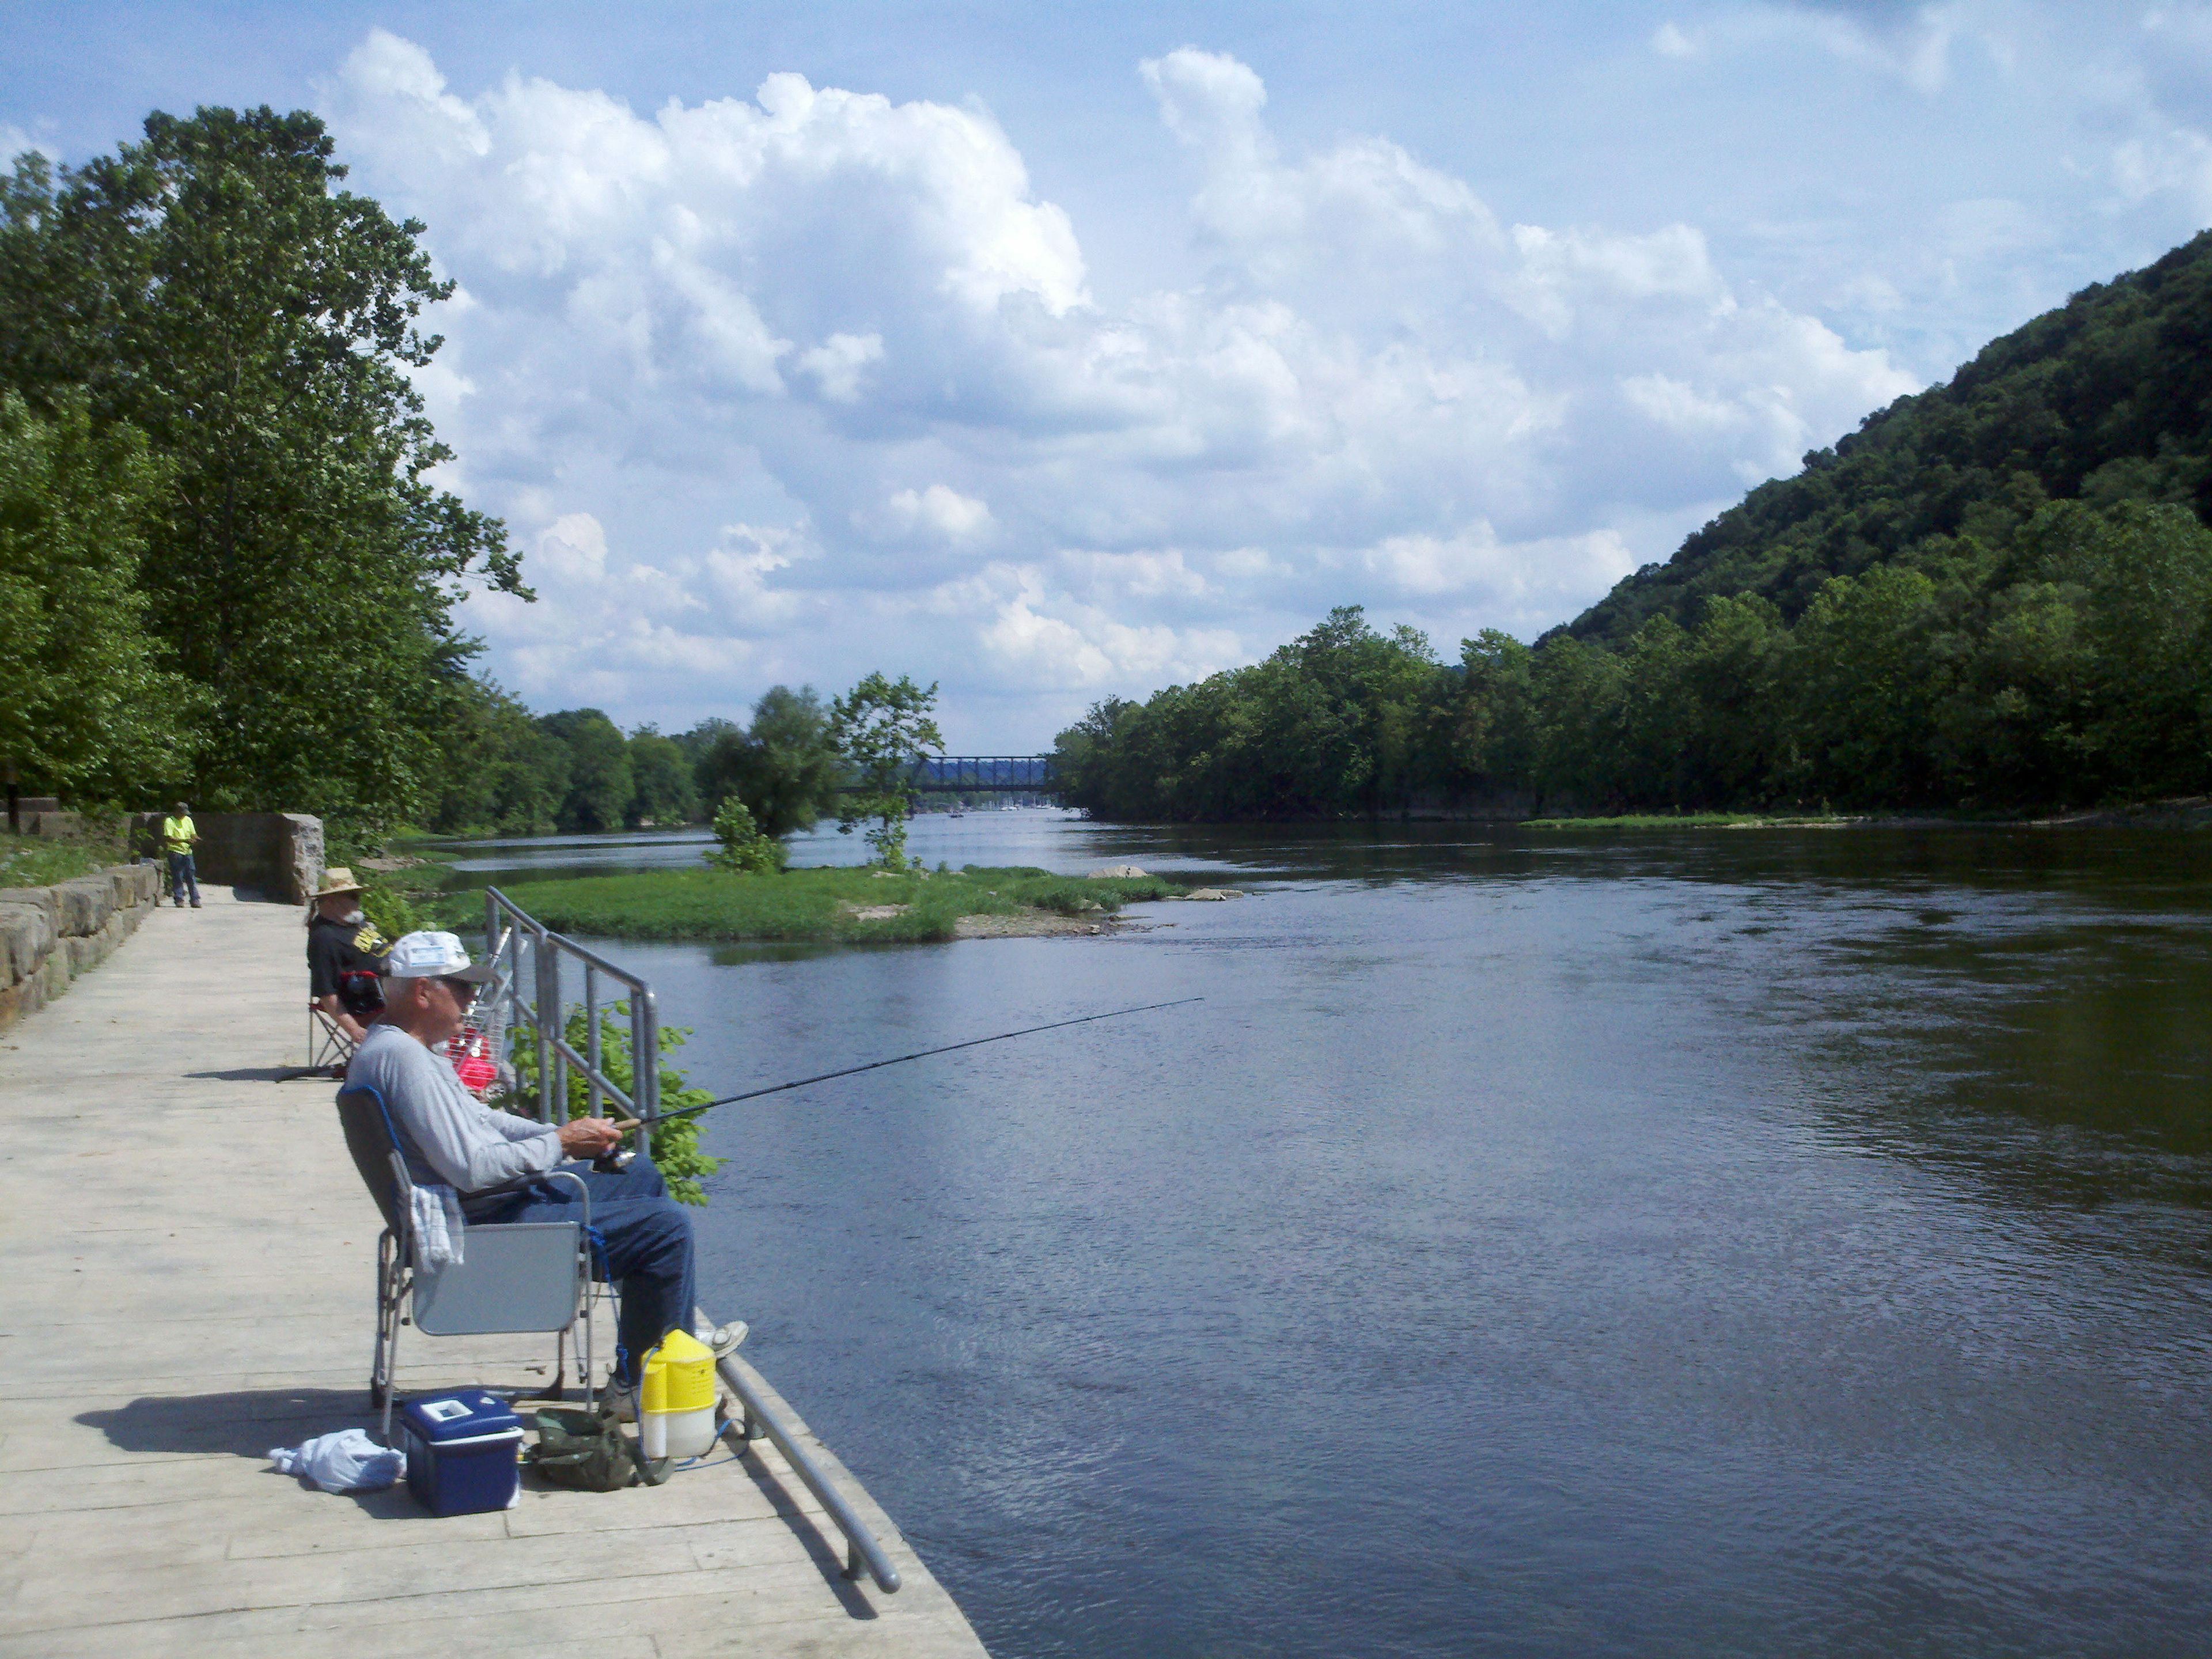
[
  {"x": 53, "y": 975},
  {"x": 40, "y": 898},
  {"x": 17, "y": 1000},
  {"x": 85, "y": 903},
  {"x": 54, "y": 826},
  {"x": 27, "y": 933},
  {"x": 84, "y": 953},
  {"x": 299, "y": 865}
]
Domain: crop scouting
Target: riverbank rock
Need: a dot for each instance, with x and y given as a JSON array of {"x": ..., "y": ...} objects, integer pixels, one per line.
[
  {"x": 1116, "y": 872},
  {"x": 1025, "y": 924},
  {"x": 1211, "y": 894},
  {"x": 872, "y": 912}
]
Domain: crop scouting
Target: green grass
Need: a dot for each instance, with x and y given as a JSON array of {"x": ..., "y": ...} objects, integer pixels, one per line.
[
  {"x": 807, "y": 904},
  {"x": 34, "y": 861}
]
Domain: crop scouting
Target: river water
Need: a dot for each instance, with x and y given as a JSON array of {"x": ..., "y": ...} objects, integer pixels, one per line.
[{"x": 1683, "y": 1243}]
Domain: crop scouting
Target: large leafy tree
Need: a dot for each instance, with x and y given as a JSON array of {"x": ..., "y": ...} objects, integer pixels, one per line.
[
  {"x": 88, "y": 712},
  {"x": 213, "y": 287},
  {"x": 882, "y": 727},
  {"x": 601, "y": 784},
  {"x": 785, "y": 768},
  {"x": 665, "y": 793}
]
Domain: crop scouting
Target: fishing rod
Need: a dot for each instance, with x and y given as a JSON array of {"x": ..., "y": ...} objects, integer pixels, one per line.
[{"x": 876, "y": 1065}]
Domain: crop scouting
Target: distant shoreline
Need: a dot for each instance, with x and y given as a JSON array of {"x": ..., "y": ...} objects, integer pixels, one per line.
[{"x": 2194, "y": 813}]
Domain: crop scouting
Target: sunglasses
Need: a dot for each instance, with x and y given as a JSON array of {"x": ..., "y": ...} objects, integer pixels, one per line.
[{"x": 463, "y": 990}]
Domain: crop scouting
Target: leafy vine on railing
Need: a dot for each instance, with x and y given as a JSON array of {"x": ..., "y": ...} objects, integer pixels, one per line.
[{"x": 675, "y": 1145}]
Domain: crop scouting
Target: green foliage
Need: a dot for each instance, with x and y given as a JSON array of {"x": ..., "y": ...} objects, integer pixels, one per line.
[
  {"x": 504, "y": 773},
  {"x": 2101, "y": 401},
  {"x": 674, "y": 1146},
  {"x": 1995, "y": 593},
  {"x": 785, "y": 768},
  {"x": 213, "y": 287},
  {"x": 88, "y": 712},
  {"x": 601, "y": 784},
  {"x": 883, "y": 729},
  {"x": 2068, "y": 663},
  {"x": 665, "y": 793},
  {"x": 744, "y": 850},
  {"x": 818, "y": 904},
  {"x": 392, "y": 908},
  {"x": 35, "y": 861}
]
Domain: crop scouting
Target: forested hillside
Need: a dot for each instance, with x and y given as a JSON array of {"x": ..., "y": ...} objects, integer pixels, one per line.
[
  {"x": 2107, "y": 399},
  {"x": 1995, "y": 595}
]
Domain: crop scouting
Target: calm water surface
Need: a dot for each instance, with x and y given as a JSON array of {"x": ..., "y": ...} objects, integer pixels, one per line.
[{"x": 1691, "y": 1243}]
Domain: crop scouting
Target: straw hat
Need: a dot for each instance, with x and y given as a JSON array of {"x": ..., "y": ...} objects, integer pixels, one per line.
[{"x": 337, "y": 880}]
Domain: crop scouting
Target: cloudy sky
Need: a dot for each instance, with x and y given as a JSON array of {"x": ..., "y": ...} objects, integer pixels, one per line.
[{"x": 1055, "y": 352}]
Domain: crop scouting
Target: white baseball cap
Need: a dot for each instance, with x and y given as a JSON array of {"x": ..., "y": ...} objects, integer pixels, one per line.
[{"x": 432, "y": 955}]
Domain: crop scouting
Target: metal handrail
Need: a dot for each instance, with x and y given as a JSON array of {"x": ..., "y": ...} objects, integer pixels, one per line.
[
  {"x": 507, "y": 928},
  {"x": 861, "y": 1549}
]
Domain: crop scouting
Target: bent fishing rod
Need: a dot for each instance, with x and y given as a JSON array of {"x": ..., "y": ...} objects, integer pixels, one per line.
[{"x": 899, "y": 1059}]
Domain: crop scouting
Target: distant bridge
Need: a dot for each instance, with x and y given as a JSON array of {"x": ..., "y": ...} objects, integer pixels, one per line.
[{"x": 1004, "y": 774}]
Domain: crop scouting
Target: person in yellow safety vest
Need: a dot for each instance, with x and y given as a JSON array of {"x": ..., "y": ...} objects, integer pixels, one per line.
[{"x": 176, "y": 838}]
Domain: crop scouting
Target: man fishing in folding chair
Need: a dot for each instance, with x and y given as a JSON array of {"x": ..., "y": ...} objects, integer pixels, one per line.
[
  {"x": 494, "y": 1160},
  {"x": 345, "y": 965}
]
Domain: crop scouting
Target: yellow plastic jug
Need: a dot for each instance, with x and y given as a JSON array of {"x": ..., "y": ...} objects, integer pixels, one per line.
[{"x": 675, "y": 1403}]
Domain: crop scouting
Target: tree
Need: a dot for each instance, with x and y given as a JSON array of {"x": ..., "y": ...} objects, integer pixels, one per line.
[
  {"x": 882, "y": 728},
  {"x": 600, "y": 783},
  {"x": 785, "y": 768},
  {"x": 88, "y": 712},
  {"x": 501, "y": 771},
  {"x": 665, "y": 793},
  {"x": 212, "y": 287}
]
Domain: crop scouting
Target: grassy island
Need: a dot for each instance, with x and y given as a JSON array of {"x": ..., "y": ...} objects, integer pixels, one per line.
[{"x": 858, "y": 905}]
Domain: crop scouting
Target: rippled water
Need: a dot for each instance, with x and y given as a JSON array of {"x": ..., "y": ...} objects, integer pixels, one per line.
[{"x": 1688, "y": 1243}]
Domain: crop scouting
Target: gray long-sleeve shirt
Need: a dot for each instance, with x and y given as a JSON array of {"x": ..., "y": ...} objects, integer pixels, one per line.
[{"x": 445, "y": 1133}]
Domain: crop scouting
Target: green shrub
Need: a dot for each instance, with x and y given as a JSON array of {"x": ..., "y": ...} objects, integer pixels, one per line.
[
  {"x": 675, "y": 1146},
  {"x": 744, "y": 849}
]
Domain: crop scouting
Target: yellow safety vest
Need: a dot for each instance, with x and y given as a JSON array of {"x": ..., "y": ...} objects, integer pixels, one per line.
[{"x": 177, "y": 833}]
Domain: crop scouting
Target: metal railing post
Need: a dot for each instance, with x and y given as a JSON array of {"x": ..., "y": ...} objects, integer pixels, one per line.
[
  {"x": 592, "y": 1042},
  {"x": 553, "y": 1074},
  {"x": 645, "y": 1052}
]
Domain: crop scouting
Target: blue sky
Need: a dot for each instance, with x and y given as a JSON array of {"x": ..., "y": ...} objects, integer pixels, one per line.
[{"x": 1054, "y": 353}]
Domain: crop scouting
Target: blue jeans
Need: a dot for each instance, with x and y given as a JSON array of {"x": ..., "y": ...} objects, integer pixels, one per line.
[
  {"x": 183, "y": 875},
  {"x": 648, "y": 1236}
]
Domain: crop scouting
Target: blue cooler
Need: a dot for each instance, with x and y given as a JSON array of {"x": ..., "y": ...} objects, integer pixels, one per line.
[{"x": 462, "y": 1452}]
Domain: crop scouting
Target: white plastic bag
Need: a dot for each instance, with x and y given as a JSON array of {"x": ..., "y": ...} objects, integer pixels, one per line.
[{"x": 348, "y": 1461}]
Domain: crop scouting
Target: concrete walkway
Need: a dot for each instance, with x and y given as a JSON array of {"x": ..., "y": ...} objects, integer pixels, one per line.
[{"x": 188, "y": 1259}]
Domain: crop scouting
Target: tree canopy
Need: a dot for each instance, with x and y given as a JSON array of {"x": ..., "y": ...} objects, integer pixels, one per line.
[
  {"x": 212, "y": 290},
  {"x": 1996, "y": 593}
]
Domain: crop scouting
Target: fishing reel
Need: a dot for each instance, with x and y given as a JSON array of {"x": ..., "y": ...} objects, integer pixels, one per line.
[{"x": 618, "y": 1158}]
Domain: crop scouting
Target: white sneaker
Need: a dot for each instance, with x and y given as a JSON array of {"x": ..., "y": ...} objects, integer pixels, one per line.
[{"x": 724, "y": 1340}]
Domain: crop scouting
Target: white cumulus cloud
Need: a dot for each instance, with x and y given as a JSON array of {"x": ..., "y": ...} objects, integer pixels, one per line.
[{"x": 796, "y": 386}]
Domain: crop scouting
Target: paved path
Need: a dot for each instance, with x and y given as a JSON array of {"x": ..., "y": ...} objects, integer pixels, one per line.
[{"x": 189, "y": 1263}]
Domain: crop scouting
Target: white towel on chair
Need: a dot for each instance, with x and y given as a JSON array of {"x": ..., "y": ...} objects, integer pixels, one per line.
[{"x": 438, "y": 1229}]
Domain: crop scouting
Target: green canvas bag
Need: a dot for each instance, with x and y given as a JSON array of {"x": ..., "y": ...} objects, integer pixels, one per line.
[{"x": 582, "y": 1449}]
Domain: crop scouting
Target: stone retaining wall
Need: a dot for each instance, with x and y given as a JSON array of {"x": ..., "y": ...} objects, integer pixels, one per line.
[
  {"x": 49, "y": 935},
  {"x": 278, "y": 855}
]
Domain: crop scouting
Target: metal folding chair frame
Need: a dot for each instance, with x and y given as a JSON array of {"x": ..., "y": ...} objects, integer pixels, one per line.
[
  {"x": 328, "y": 1046},
  {"x": 374, "y": 1144}
]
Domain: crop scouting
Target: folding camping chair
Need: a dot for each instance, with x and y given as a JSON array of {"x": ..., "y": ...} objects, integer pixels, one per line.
[
  {"x": 513, "y": 1276},
  {"x": 329, "y": 1048}
]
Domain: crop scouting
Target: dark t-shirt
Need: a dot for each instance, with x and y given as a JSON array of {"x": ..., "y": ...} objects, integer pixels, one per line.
[{"x": 339, "y": 955}]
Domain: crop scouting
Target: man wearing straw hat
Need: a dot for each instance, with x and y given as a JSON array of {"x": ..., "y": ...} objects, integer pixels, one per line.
[{"x": 345, "y": 954}]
